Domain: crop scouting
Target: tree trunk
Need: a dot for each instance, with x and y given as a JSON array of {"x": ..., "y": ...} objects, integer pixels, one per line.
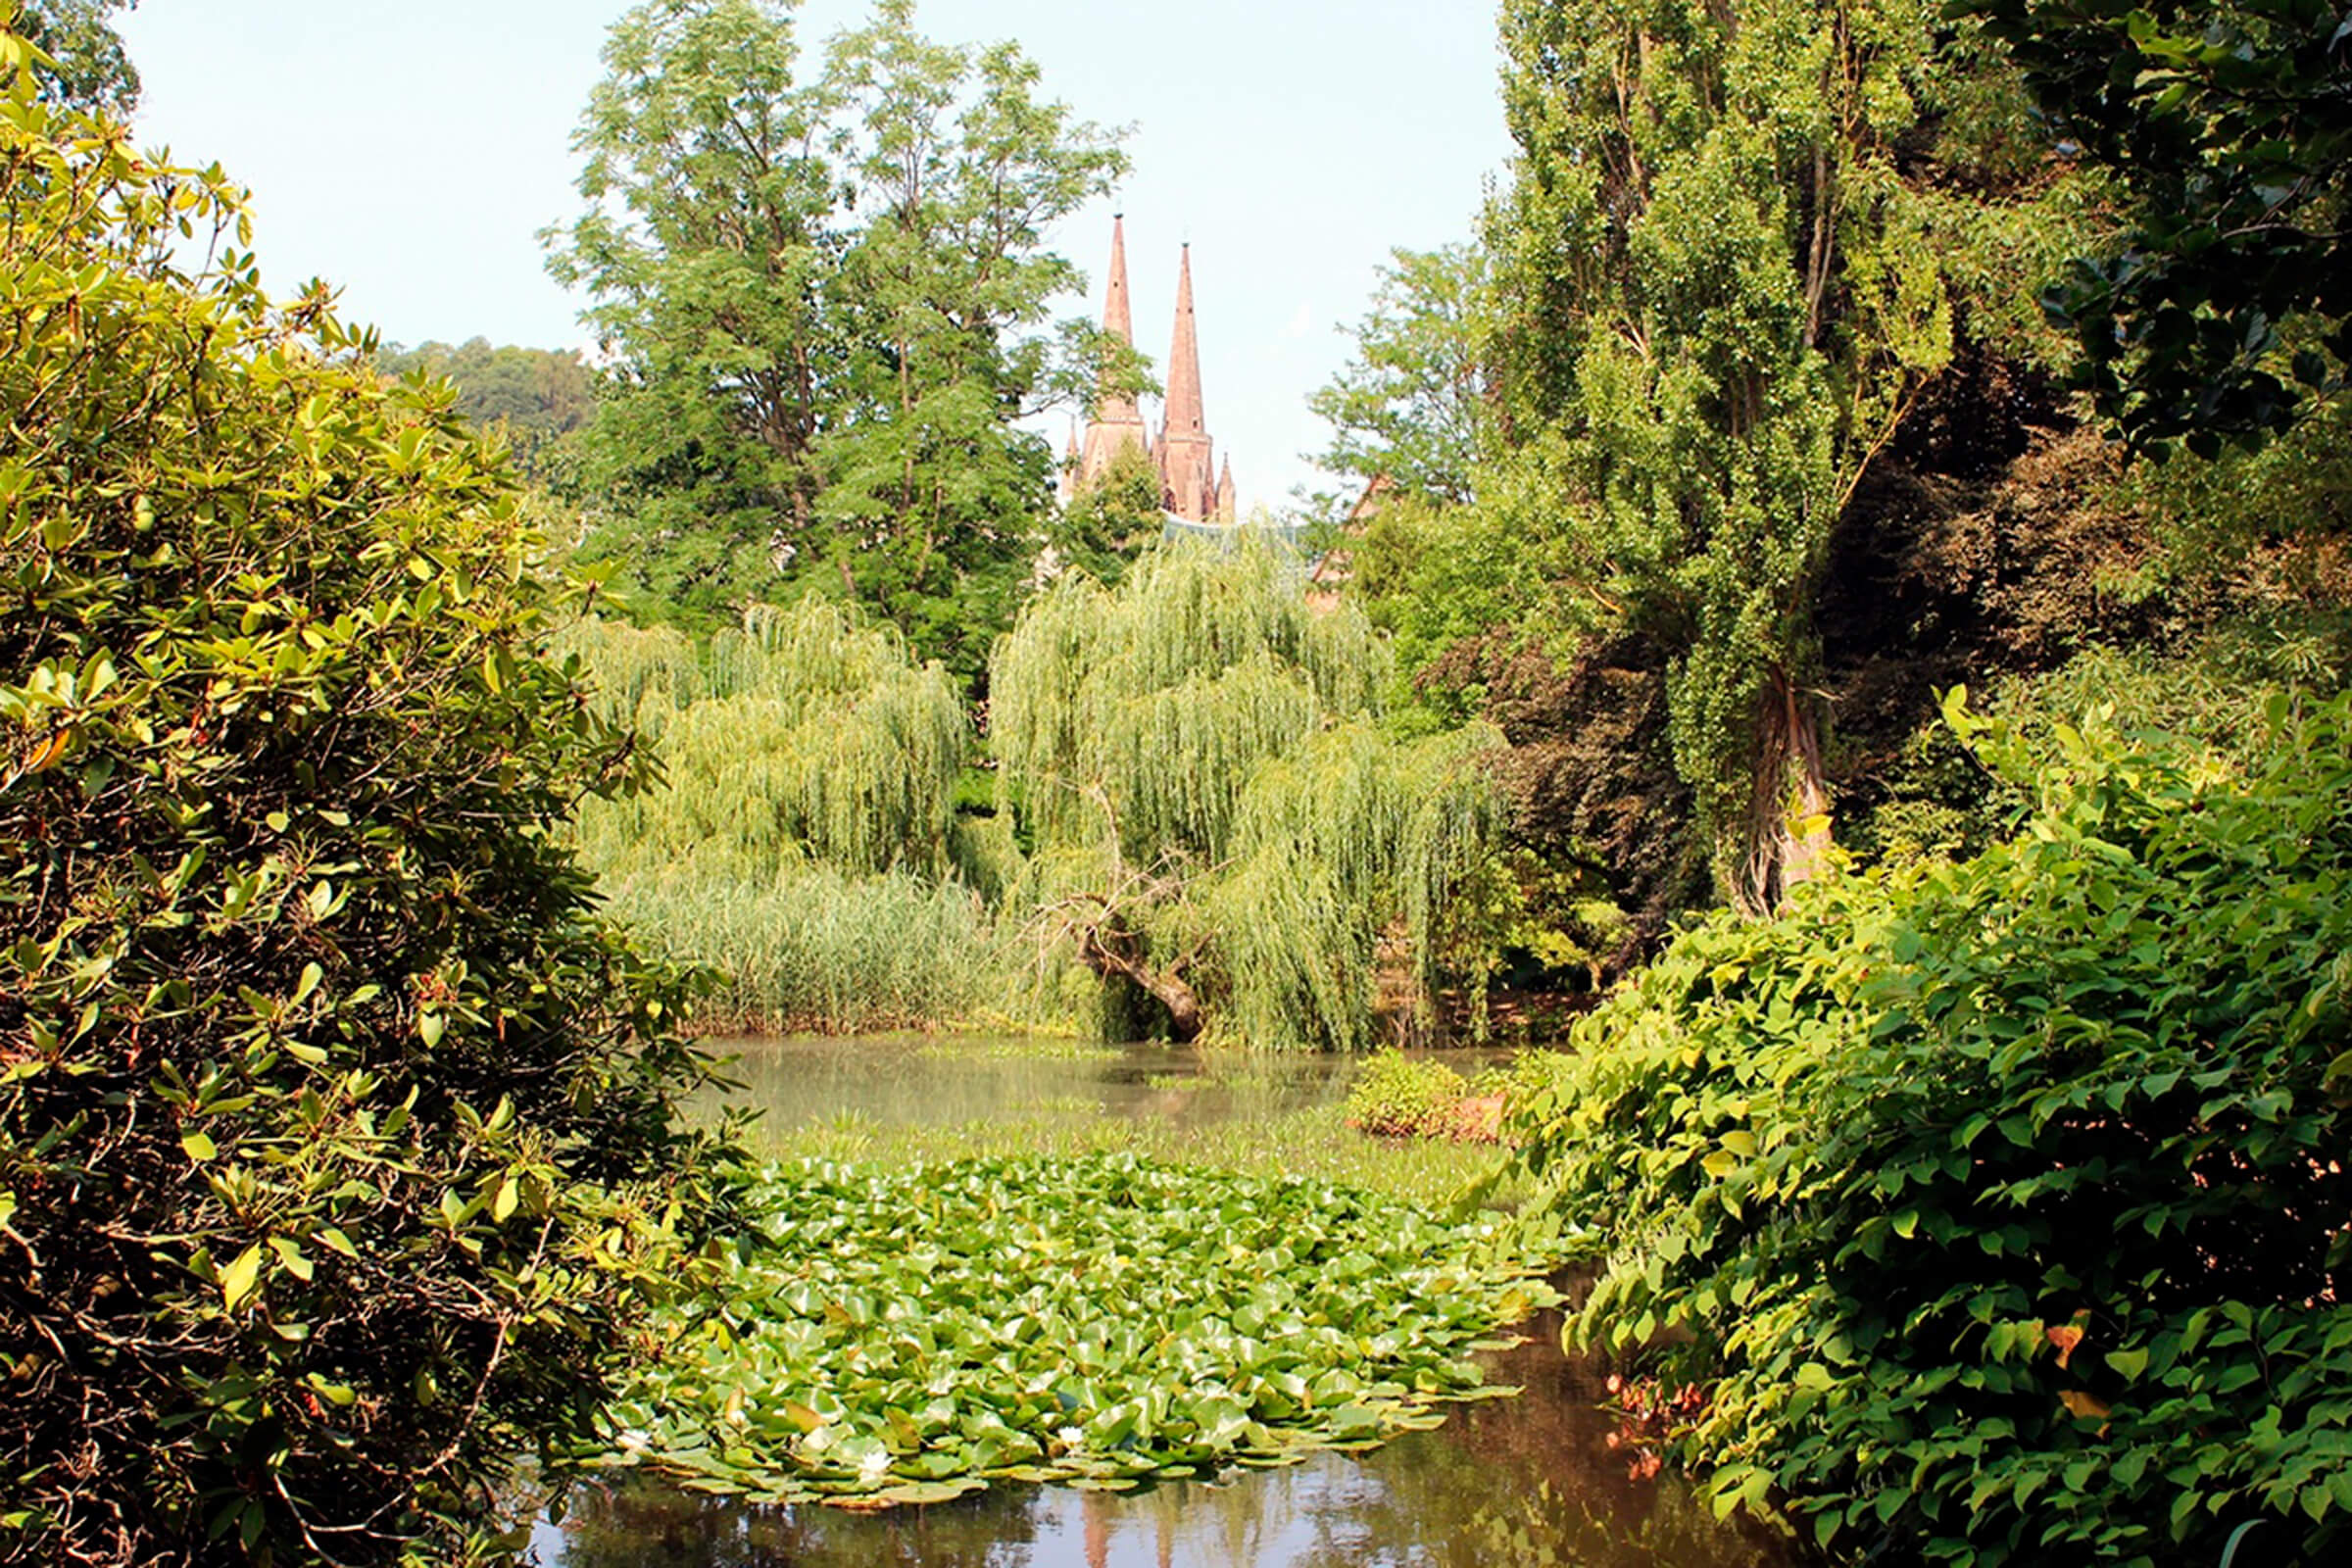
[
  {"x": 1789, "y": 820},
  {"x": 1169, "y": 990}
]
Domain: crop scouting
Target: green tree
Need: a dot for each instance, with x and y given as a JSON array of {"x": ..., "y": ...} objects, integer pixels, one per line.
[
  {"x": 532, "y": 395},
  {"x": 705, "y": 248},
  {"x": 336, "y": 1140},
  {"x": 1106, "y": 525},
  {"x": 89, "y": 68},
  {"x": 1220, "y": 822},
  {"x": 826, "y": 302},
  {"x": 1413, "y": 403},
  {"x": 2229, "y": 123},
  {"x": 1740, "y": 239}
]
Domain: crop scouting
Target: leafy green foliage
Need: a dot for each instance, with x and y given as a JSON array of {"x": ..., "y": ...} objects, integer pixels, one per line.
[
  {"x": 1739, "y": 241},
  {"x": 2231, "y": 125},
  {"x": 2000, "y": 1197},
  {"x": 905, "y": 1336},
  {"x": 1105, "y": 526},
  {"x": 825, "y": 298},
  {"x": 336, "y": 1135},
  {"x": 1413, "y": 405},
  {"x": 1396, "y": 1095},
  {"x": 2216, "y": 691}
]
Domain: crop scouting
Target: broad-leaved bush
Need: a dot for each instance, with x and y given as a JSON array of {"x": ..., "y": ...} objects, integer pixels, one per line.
[
  {"x": 2005, "y": 1201},
  {"x": 336, "y": 1147}
]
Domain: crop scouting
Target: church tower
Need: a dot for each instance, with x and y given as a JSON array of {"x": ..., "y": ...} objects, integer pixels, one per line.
[
  {"x": 1118, "y": 424},
  {"x": 1184, "y": 457}
]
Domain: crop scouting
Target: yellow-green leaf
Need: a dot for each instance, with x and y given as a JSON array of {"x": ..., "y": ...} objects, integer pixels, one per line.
[
  {"x": 291, "y": 1253},
  {"x": 237, "y": 1281}
]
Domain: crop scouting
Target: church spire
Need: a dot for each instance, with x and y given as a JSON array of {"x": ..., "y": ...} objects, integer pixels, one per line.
[
  {"x": 1118, "y": 319},
  {"x": 1188, "y": 474},
  {"x": 1184, "y": 415},
  {"x": 1118, "y": 424}
]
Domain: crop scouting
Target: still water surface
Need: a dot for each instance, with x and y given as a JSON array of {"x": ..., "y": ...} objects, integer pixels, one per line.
[{"x": 1531, "y": 1482}]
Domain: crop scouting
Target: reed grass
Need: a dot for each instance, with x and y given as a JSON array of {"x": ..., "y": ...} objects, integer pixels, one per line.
[{"x": 819, "y": 952}]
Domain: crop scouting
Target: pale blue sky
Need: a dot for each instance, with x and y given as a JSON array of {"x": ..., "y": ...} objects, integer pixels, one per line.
[{"x": 411, "y": 152}]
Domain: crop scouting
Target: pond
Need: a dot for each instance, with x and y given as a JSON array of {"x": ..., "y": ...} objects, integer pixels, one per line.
[{"x": 1525, "y": 1482}]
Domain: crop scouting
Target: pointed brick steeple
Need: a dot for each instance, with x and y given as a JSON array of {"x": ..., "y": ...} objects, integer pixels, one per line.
[
  {"x": 1225, "y": 505},
  {"x": 1187, "y": 458},
  {"x": 1183, "y": 415},
  {"x": 1120, "y": 424},
  {"x": 1118, "y": 316}
]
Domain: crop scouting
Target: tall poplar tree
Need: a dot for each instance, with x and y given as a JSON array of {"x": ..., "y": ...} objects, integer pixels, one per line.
[{"x": 1740, "y": 239}]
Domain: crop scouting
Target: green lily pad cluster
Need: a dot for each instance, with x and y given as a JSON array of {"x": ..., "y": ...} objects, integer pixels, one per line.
[{"x": 901, "y": 1336}]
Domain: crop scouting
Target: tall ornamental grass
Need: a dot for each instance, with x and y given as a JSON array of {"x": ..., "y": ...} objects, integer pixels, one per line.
[{"x": 820, "y": 952}]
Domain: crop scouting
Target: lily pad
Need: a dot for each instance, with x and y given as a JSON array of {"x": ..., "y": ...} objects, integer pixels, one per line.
[{"x": 888, "y": 1337}]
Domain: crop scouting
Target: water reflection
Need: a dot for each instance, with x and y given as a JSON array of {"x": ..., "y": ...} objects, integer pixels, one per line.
[{"x": 1524, "y": 1483}]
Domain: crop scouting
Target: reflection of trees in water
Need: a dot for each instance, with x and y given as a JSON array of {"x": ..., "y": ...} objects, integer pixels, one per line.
[
  {"x": 1531, "y": 1483},
  {"x": 649, "y": 1525}
]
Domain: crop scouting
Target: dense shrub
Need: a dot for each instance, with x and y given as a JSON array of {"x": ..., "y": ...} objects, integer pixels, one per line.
[
  {"x": 337, "y": 1150},
  {"x": 1396, "y": 1095},
  {"x": 2005, "y": 1201}
]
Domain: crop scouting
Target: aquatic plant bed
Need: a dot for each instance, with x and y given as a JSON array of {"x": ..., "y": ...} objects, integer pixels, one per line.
[{"x": 899, "y": 1336}]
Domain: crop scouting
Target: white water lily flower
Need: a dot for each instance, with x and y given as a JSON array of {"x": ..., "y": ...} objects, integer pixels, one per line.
[
  {"x": 870, "y": 1468},
  {"x": 1070, "y": 1436},
  {"x": 635, "y": 1441}
]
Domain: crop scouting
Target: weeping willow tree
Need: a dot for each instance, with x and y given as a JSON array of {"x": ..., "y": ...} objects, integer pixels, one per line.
[
  {"x": 800, "y": 839},
  {"x": 1348, "y": 841},
  {"x": 1219, "y": 820},
  {"x": 802, "y": 735}
]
